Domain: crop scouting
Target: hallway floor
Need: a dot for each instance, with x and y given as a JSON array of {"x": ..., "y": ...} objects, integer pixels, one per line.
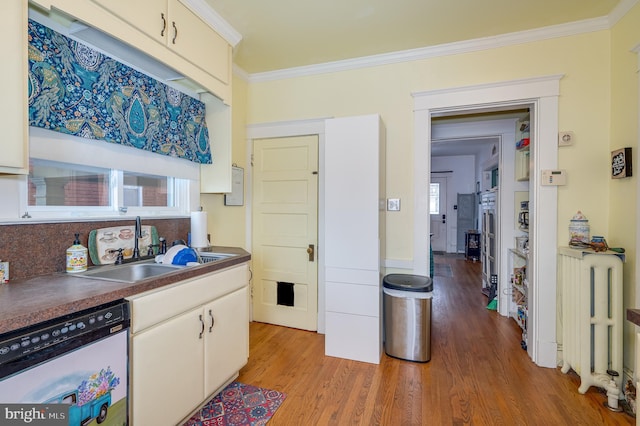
[{"x": 478, "y": 373}]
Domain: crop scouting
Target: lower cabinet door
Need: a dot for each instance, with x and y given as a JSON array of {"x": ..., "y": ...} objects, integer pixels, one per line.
[
  {"x": 167, "y": 370},
  {"x": 227, "y": 342}
]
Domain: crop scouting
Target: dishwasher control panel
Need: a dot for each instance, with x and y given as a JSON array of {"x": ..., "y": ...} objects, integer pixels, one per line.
[{"x": 44, "y": 335}]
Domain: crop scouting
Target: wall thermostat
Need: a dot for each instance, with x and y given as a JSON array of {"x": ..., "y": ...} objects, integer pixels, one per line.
[{"x": 554, "y": 177}]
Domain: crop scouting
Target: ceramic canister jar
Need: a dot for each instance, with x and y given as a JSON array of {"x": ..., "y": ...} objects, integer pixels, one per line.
[{"x": 579, "y": 230}]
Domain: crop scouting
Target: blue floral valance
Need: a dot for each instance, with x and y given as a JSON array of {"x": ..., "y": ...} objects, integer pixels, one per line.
[{"x": 77, "y": 90}]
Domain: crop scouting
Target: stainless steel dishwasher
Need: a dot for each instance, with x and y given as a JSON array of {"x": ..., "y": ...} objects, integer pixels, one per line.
[{"x": 69, "y": 370}]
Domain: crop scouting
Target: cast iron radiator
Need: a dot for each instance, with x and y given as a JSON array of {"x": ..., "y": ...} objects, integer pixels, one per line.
[{"x": 592, "y": 315}]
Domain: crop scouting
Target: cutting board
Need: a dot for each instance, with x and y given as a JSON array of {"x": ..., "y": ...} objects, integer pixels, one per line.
[{"x": 104, "y": 241}]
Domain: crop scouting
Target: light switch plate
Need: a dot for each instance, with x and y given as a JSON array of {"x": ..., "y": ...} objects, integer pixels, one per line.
[{"x": 393, "y": 204}]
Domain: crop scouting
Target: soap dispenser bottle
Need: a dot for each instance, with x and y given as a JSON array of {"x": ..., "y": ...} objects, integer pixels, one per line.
[{"x": 76, "y": 256}]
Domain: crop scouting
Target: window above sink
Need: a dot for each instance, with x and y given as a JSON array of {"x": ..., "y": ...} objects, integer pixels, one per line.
[{"x": 123, "y": 182}]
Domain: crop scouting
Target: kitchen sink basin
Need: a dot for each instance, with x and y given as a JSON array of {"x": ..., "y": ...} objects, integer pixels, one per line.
[
  {"x": 141, "y": 270},
  {"x": 129, "y": 272}
]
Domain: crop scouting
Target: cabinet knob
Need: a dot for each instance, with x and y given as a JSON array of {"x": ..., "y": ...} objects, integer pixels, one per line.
[{"x": 213, "y": 321}]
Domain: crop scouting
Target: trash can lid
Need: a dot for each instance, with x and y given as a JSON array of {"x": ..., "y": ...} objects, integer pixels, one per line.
[{"x": 408, "y": 282}]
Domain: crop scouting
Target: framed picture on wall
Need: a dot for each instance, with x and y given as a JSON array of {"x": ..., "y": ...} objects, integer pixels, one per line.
[{"x": 621, "y": 163}]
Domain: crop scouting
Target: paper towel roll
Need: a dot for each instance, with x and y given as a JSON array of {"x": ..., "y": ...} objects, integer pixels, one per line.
[{"x": 199, "y": 230}]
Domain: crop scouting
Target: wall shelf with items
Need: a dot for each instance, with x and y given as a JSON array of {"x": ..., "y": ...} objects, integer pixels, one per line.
[
  {"x": 522, "y": 150},
  {"x": 519, "y": 308},
  {"x": 472, "y": 245},
  {"x": 489, "y": 243}
]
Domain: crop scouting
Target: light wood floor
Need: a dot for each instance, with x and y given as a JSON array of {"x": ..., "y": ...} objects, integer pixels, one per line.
[{"x": 478, "y": 374}]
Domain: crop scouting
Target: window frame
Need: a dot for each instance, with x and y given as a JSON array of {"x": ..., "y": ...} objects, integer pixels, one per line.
[
  {"x": 432, "y": 184},
  {"x": 88, "y": 152}
]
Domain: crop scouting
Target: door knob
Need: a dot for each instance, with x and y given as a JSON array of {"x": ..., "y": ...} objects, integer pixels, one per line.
[
  {"x": 444, "y": 218},
  {"x": 311, "y": 252}
]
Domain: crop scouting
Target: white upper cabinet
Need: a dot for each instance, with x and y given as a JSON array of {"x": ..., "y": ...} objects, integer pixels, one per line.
[
  {"x": 173, "y": 24},
  {"x": 149, "y": 16},
  {"x": 13, "y": 86},
  {"x": 216, "y": 177},
  {"x": 197, "y": 42},
  {"x": 165, "y": 30}
]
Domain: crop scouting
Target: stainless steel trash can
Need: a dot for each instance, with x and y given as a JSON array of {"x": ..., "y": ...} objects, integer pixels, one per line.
[{"x": 407, "y": 316}]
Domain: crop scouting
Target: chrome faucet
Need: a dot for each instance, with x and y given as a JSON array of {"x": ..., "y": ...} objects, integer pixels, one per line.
[{"x": 137, "y": 235}]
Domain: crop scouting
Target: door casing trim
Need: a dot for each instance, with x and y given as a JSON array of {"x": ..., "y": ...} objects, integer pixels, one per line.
[{"x": 543, "y": 92}]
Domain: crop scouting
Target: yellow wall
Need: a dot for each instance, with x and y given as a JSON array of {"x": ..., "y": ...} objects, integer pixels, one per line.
[
  {"x": 584, "y": 108},
  {"x": 226, "y": 224},
  {"x": 598, "y": 102},
  {"x": 625, "y": 35}
]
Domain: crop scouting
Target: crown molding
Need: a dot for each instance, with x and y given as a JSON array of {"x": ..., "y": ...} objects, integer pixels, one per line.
[
  {"x": 240, "y": 73},
  {"x": 485, "y": 43},
  {"x": 217, "y": 22},
  {"x": 620, "y": 10}
]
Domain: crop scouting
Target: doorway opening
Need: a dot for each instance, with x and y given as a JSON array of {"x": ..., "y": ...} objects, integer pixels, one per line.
[
  {"x": 541, "y": 95},
  {"x": 474, "y": 153}
]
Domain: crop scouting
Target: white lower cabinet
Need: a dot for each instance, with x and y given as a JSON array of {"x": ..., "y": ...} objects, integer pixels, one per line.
[
  {"x": 226, "y": 344},
  {"x": 179, "y": 359},
  {"x": 167, "y": 371}
]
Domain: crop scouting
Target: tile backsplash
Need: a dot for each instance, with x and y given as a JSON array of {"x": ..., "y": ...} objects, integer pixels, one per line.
[{"x": 40, "y": 248}]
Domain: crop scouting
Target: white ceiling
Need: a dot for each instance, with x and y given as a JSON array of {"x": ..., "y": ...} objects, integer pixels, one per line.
[
  {"x": 455, "y": 147},
  {"x": 282, "y": 34}
]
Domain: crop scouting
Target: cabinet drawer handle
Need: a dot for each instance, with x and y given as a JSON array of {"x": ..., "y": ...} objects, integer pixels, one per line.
[
  {"x": 175, "y": 32},
  {"x": 164, "y": 24},
  {"x": 202, "y": 329},
  {"x": 213, "y": 321}
]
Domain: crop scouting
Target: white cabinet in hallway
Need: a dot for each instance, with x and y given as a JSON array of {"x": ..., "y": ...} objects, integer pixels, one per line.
[{"x": 354, "y": 236}]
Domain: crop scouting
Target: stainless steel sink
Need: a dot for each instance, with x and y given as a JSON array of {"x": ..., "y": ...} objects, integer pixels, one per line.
[
  {"x": 141, "y": 270},
  {"x": 129, "y": 272}
]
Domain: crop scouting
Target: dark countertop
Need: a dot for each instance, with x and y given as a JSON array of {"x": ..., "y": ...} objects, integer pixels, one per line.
[
  {"x": 30, "y": 301},
  {"x": 633, "y": 315}
]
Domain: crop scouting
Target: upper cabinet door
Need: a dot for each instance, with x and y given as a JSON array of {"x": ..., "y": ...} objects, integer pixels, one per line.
[
  {"x": 173, "y": 24},
  {"x": 149, "y": 16},
  {"x": 197, "y": 42},
  {"x": 14, "y": 88}
]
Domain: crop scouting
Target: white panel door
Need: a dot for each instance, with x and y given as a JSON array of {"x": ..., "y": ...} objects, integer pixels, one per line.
[{"x": 285, "y": 230}]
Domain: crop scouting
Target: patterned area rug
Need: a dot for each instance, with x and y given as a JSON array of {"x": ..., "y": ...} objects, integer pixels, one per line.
[
  {"x": 442, "y": 270},
  {"x": 239, "y": 405}
]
